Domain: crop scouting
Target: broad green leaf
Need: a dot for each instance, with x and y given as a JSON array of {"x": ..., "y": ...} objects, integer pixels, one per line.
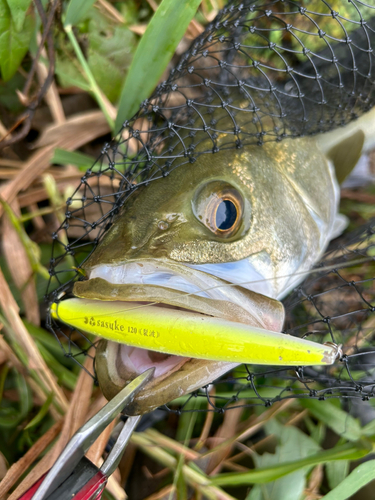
[
  {"x": 337, "y": 472},
  {"x": 8, "y": 95},
  {"x": 18, "y": 10},
  {"x": 369, "y": 429},
  {"x": 110, "y": 53},
  {"x": 13, "y": 45},
  {"x": 255, "y": 493},
  {"x": 349, "y": 451},
  {"x": 69, "y": 75},
  {"x": 293, "y": 445},
  {"x": 76, "y": 11},
  {"x": 131, "y": 12},
  {"x": 110, "y": 49},
  {"x": 290, "y": 486},
  {"x": 317, "y": 432},
  {"x": 336, "y": 419},
  {"x": 153, "y": 54},
  {"x": 360, "y": 476}
]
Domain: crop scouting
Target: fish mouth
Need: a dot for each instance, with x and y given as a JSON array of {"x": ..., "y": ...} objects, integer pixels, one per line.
[{"x": 169, "y": 285}]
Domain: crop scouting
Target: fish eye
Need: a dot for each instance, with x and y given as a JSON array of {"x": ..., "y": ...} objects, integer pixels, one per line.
[{"x": 219, "y": 206}]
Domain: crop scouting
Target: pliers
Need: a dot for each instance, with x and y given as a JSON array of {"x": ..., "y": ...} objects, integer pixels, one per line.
[{"x": 73, "y": 475}]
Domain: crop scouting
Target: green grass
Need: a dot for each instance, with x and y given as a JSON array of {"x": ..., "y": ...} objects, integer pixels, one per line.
[{"x": 259, "y": 453}]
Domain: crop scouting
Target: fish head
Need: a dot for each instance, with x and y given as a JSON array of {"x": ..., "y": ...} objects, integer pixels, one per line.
[
  {"x": 254, "y": 217},
  {"x": 225, "y": 237}
]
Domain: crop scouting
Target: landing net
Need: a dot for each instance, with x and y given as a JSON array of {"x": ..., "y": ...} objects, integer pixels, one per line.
[{"x": 262, "y": 71}]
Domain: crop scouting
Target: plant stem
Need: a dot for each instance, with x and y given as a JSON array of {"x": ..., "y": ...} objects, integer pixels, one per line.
[
  {"x": 195, "y": 479},
  {"x": 94, "y": 87}
]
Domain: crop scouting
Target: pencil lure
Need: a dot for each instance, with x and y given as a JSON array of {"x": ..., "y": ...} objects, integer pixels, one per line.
[{"x": 188, "y": 334}]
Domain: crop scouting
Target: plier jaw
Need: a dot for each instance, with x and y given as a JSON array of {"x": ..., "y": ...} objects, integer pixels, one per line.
[{"x": 73, "y": 475}]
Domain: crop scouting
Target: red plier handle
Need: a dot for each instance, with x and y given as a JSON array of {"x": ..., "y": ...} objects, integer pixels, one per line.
[
  {"x": 92, "y": 490},
  {"x": 30, "y": 492}
]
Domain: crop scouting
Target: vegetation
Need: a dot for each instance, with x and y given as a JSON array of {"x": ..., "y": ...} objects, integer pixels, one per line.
[{"x": 71, "y": 73}]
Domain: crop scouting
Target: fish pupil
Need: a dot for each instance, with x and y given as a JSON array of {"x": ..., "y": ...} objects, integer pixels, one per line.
[{"x": 226, "y": 215}]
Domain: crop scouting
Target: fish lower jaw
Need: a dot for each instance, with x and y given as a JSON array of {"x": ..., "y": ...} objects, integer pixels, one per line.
[
  {"x": 175, "y": 284},
  {"x": 186, "y": 376}
]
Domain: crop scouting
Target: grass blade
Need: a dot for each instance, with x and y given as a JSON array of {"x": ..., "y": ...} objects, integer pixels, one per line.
[
  {"x": 154, "y": 52},
  {"x": 360, "y": 476},
  {"x": 338, "y": 420},
  {"x": 102, "y": 101},
  {"x": 80, "y": 160},
  {"x": 41, "y": 413},
  {"x": 263, "y": 475}
]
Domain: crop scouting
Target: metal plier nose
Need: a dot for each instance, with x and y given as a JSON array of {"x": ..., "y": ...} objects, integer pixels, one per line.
[{"x": 73, "y": 475}]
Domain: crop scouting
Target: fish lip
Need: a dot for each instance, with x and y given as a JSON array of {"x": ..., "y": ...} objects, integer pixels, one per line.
[
  {"x": 192, "y": 285},
  {"x": 158, "y": 272}
]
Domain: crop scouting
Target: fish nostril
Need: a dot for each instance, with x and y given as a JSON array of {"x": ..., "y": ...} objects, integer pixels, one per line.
[{"x": 162, "y": 225}]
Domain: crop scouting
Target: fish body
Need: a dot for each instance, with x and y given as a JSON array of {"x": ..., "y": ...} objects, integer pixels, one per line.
[
  {"x": 227, "y": 234},
  {"x": 176, "y": 245}
]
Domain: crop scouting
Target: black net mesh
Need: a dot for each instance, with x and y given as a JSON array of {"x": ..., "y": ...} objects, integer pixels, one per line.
[
  {"x": 262, "y": 71},
  {"x": 336, "y": 303}
]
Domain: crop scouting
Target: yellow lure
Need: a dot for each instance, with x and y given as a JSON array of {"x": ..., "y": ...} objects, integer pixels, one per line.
[{"x": 189, "y": 334}]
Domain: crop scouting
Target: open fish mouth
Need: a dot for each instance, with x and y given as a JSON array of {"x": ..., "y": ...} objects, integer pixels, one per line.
[
  {"x": 167, "y": 286},
  {"x": 178, "y": 287},
  {"x": 190, "y": 326}
]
